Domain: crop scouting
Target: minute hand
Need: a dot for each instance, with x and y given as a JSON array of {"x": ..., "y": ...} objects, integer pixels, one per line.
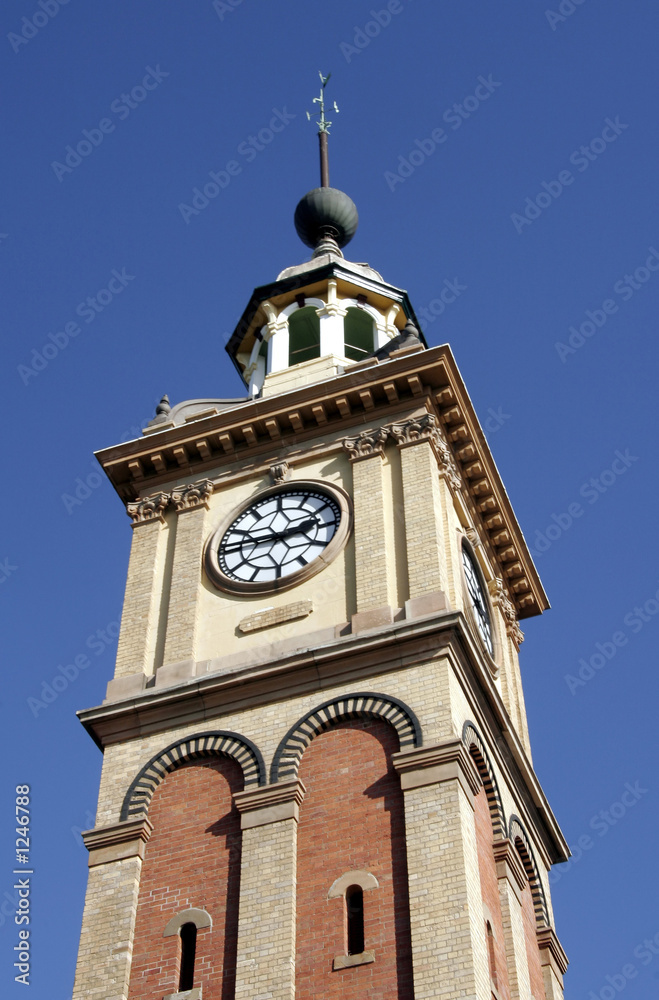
[{"x": 275, "y": 536}]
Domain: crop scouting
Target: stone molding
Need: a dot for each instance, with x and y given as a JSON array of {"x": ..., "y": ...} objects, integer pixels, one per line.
[
  {"x": 186, "y": 497},
  {"x": 368, "y": 444},
  {"x": 501, "y": 600},
  {"x": 192, "y": 495},
  {"x": 261, "y": 806},
  {"x": 199, "y": 745},
  {"x": 280, "y": 473},
  {"x": 287, "y": 757},
  {"x": 148, "y": 509},
  {"x": 195, "y": 915},
  {"x": 551, "y": 952},
  {"x": 126, "y": 839},
  {"x": 433, "y": 765},
  {"x": 275, "y": 616},
  {"x": 509, "y": 865},
  {"x": 363, "y": 879}
]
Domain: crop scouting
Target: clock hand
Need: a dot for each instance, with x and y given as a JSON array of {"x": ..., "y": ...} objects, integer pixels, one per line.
[{"x": 275, "y": 536}]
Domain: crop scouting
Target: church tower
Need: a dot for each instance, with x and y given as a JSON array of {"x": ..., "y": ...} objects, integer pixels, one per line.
[{"x": 317, "y": 777}]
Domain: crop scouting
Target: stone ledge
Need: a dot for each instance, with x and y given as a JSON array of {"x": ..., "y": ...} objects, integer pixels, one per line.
[
  {"x": 128, "y": 686},
  {"x": 374, "y": 618},
  {"x": 509, "y": 865},
  {"x": 436, "y": 764},
  {"x": 551, "y": 952},
  {"x": 194, "y": 994},
  {"x": 348, "y": 961},
  {"x": 116, "y": 842},
  {"x": 260, "y": 806},
  {"x": 426, "y": 604}
]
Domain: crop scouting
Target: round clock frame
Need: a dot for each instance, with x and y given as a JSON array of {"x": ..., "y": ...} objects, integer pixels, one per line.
[
  {"x": 338, "y": 500},
  {"x": 476, "y": 618}
]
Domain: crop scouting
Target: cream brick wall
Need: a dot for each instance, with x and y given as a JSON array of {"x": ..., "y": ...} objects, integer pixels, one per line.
[
  {"x": 266, "y": 926},
  {"x": 141, "y": 611},
  {"x": 186, "y": 585},
  {"x": 374, "y": 573},
  {"x": 513, "y": 929},
  {"x": 106, "y": 939},
  {"x": 423, "y": 520}
]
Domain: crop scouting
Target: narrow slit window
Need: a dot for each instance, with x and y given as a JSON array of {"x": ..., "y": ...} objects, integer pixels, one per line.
[
  {"x": 490, "y": 953},
  {"x": 188, "y": 952},
  {"x": 355, "y": 917}
]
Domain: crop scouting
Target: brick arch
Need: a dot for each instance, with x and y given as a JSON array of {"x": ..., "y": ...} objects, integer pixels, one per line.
[
  {"x": 364, "y": 705},
  {"x": 476, "y": 747},
  {"x": 518, "y": 835},
  {"x": 245, "y": 753}
]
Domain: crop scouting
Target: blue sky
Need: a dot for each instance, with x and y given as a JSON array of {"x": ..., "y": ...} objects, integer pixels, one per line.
[{"x": 536, "y": 196}]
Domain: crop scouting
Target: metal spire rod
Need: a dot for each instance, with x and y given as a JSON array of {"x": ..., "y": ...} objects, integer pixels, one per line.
[{"x": 323, "y": 130}]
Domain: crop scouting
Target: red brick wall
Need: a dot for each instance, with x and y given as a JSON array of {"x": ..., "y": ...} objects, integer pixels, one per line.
[
  {"x": 352, "y": 817},
  {"x": 532, "y": 950},
  {"x": 192, "y": 859},
  {"x": 490, "y": 888}
]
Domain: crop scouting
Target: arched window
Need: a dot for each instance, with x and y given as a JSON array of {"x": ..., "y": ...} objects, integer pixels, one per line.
[
  {"x": 188, "y": 934},
  {"x": 358, "y": 334},
  {"x": 303, "y": 335},
  {"x": 355, "y": 919}
]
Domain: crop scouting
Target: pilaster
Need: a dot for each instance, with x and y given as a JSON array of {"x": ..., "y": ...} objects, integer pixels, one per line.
[
  {"x": 422, "y": 503},
  {"x": 266, "y": 927},
  {"x": 512, "y": 879},
  {"x": 554, "y": 963},
  {"x": 446, "y": 911},
  {"x": 372, "y": 570},
  {"x": 108, "y": 923},
  {"x": 191, "y": 504},
  {"x": 139, "y": 620}
]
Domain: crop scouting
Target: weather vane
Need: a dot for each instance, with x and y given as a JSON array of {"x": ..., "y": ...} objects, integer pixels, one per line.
[{"x": 323, "y": 130}]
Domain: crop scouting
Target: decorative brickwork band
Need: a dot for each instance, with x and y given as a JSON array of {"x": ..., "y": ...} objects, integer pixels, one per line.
[
  {"x": 500, "y": 597},
  {"x": 366, "y": 445},
  {"x": 148, "y": 508},
  {"x": 476, "y": 748},
  {"x": 364, "y": 705},
  {"x": 192, "y": 495},
  {"x": 139, "y": 795},
  {"x": 518, "y": 835}
]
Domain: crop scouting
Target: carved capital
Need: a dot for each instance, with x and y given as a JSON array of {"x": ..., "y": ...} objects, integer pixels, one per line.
[
  {"x": 192, "y": 495},
  {"x": 500, "y": 598},
  {"x": 279, "y": 473},
  {"x": 367, "y": 444},
  {"x": 422, "y": 428},
  {"x": 148, "y": 508}
]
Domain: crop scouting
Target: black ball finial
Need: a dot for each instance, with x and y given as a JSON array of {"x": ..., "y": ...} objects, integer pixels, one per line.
[{"x": 326, "y": 214}]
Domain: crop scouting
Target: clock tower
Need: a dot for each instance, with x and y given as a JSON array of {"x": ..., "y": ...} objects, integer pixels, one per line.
[{"x": 317, "y": 777}]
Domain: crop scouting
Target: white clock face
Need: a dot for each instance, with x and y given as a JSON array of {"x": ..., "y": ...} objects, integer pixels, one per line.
[
  {"x": 478, "y": 601},
  {"x": 280, "y": 537}
]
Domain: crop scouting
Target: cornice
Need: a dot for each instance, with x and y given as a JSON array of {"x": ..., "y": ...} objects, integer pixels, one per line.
[
  {"x": 345, "y": 660},
  {"x": 553, "y": 951},
  {"x": 364, "y": 397}
]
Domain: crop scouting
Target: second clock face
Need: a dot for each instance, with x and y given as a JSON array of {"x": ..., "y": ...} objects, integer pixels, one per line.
[
  {"x": 279, "y": 535},
  {"x": 478, "y": 601}
]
